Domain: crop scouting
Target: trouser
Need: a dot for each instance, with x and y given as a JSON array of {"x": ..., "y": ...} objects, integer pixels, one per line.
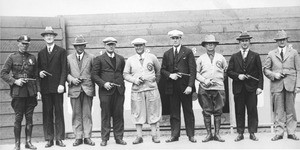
[
  {"x": 249, "y": 100},
  {"x": 112, "y": 106},
  {"x": 285, "y": 114},
  {"x": 82, "y": 116},
  {"x": 211, "y": 102},
  {"x": 176, "y": 100},
  {"x": 23, "y": 106},
  {"x": 53, "y": 101}
]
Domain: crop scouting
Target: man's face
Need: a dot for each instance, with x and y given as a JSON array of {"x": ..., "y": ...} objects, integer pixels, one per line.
[
  {"x": 175, "y": 41},
  {"x": 210, "y": 46},
  {"x": 282, "y": 43},
  {"x": 49, "y": 38},
  {"x": 245, "y": 43},
  {"x": 23, "y": 47},
  {"x": 139, "y": 48},
  {"x": 110, "y": 47},
  {"x": 79, "y": 48}
]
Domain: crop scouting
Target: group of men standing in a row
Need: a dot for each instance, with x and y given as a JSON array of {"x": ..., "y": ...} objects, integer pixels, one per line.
[{"x": 44, "y": 78}]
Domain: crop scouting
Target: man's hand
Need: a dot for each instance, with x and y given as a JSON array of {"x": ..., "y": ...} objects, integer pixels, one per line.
[
  {"x": 174, "y": 76},
  {"x": 43, "y": 74},
  {"x": 278, "y": 76},
  {"x": 242, "y": 77},
  {"x": 258, "y": 91},
  {"x": 188, "y": 90},
  {"x": 138, "y": 81},
  {"x": 107, "y": 86},
  {"x": 60, "y": 89},
  {"x": 20, "y": 82},
  {"x": 38, "y": 96},
  {"x": 76, "y": 81}
]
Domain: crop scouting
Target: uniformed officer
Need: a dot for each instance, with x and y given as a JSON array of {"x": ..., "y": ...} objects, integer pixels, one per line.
[{"x": 24, "y": 88}]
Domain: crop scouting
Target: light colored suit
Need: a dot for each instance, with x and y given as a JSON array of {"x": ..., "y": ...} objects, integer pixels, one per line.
[
  {"x": 82, "y": 94},
  {"x": 283, "y": 90}
]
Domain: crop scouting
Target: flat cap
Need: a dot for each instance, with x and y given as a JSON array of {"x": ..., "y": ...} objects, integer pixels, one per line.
[
  {"x": 176, "y": 33},
  {"x": 110, "y": 40},
  {"x": 138, "y": 41}
]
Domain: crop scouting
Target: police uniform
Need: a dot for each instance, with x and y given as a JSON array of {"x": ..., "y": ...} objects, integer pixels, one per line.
[{"x": 22, "y": 65}]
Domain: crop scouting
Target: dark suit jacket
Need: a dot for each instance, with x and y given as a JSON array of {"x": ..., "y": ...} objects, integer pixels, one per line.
[
  {"x": 103, "y": 71},
  {"x": 185, "y": 63},
  {"x": 253, "y": 68},
  {"x": 56, "y": 64}
]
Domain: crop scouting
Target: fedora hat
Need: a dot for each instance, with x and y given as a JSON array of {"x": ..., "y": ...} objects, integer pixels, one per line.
[
  {"x": 79, "y": 40},
  {"x": 244, "y": 35},
  {"x": 209, "y": 39},
  {"x": 281, "y": 35},
  {"x": 48, "y": 30}
]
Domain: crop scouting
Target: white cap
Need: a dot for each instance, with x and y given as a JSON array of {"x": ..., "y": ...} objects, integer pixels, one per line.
[
  {"x": 138, "y": 41},
  {"x": 109, "y": 40},
  {"x": 175, "y": 33}
]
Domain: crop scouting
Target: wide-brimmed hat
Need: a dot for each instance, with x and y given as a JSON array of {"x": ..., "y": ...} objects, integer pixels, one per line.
[
  {"x": 138, "y": 41},
  {"x": 48, "y": 30},
  {"x": 79, "y": 40},
  {"x": 175, "y": 33},
  {"x": 209, "y": 39},
  {"x": 24, "y": 39},
  {"x": 109, "y": 40},
  {"x": 281, "y": 35},
  {"x": 244, "y": 35}
]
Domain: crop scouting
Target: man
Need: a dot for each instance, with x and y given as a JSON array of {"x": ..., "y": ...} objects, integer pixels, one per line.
[
  {"x": 245, "y": 69},
  {"x": 211, "y": 68},
  {"x": 52, "y": 67},
  {"x": 81, "y": 91},
  {"x": 23, "y": 88},
  {"x": 107, "y": 73},
  {"x": 143, "y": 70},
  {"x": 179, "y": 68},
  {"x": 282, "y": 67}
]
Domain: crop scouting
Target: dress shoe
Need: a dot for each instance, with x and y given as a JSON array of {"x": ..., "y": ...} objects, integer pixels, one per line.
[
  {"x": 155, "y": 139},
  {"x": 77, "y": 142},
  {"x": 192, "y": 139},
  {"x": 121, "y": 142},
  {"x": 217, "y": 137},
  {"x": 29, "y": 145},
  {"x": 60, "y": 143},
  {"x": 138, "y": 140},
  {"x": 277, "y": 137},
  {"x": 253, "y": 137},
  {"x": 172, "y": 139},
  {"x": 49, "y": 143},
  {"x": 208, "y": 137},
  {"x": 239, "y": 137},
  {"x": 88, "y": 141},
  {"x": 103, "y": 143},
  {"x": 293, "y": 137}
]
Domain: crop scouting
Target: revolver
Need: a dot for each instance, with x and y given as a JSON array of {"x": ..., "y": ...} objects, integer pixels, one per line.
[{"x": 114, "y": 84}]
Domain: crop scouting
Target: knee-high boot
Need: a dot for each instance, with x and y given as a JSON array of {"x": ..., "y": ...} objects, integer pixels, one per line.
[
  {"x": 28, "y": 133},
  {"x": 17, "y": 132},
  {"x": 207, "y": 122},
  {"x": 217, "y": 121}
]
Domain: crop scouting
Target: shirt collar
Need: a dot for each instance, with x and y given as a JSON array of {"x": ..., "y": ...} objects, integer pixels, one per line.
[
  {"x": 111, "y": 55},
  {"x": 246, "y": 51},
  {"x": 141, "y": 56},
  {"x": 178, "y": 48},
  {"x": 80, "y": 54},
  {"x": 284, "y": 49},
  {"x": 50, "y": 46}
]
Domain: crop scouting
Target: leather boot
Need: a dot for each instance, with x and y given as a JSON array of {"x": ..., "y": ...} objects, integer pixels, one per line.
[
  {"x": 17, "y": 132},
  {"x": 28, "y": 133},
  {"x": 207, "y": 123},
  {"x": 217, "y": 121}
]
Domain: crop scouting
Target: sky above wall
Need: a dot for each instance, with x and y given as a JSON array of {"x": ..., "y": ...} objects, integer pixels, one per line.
[{"x": 51, "y": 8}]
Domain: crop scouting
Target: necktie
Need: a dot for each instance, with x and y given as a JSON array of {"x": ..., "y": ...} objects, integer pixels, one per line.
[
  {"x": 49, "y": 50},
  {"x": 244, "y": 54},
  {"x": 176, "y": 53},
  {"x": 141, "y": 60},
  {"x": 281, "y": 53},
  {"x": 78, "y": 57}
]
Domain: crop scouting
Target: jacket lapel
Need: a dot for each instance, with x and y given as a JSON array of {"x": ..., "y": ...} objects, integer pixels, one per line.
[
  {"x": 181, "y": 52},
  {"x": 84, "y": 61},
  {"x": 171, "y": 55},
  {"x": 240, "y": 58},
  {"x": 287, "y": 54},
  {"x": 277, "y": 54},
  {"x": 107, "y": 59},
  {"x": 74, "y": 62},
  {"x": 249, "y": 58}
]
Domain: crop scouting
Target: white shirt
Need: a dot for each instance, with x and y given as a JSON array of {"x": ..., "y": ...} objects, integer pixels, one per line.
[
  {"x": 51, "y": 47},
  {"x": 81, "y": 55},
  {"x": 246, "y": 52},
  {"x": 112, "y": 55},
  {"x": 176, "y": 48},
  {"x": 284, "y": 50}
]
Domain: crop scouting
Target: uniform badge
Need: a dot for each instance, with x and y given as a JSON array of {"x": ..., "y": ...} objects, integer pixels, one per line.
[
  {"x": 150, "y": 66},
  {"x": 30, "y": 61},
  {"x": 219, "y": 64}
]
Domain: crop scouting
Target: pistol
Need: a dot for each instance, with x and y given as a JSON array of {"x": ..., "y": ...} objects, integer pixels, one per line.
[
  {"x": 29, "y": 79},
  {"x": 114, "y": 84},
  {"x": 47, "y": 73},
  {"x": 183, "y": 74},
  {"x": 249, "y": 76}
]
